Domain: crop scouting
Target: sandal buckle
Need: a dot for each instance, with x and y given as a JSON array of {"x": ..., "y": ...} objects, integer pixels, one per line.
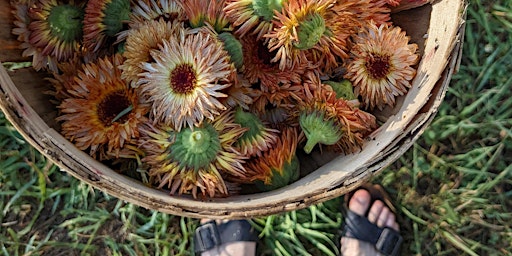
[
  {"x": 389, "y": 242},
  {"x": 206, "y": 237}
]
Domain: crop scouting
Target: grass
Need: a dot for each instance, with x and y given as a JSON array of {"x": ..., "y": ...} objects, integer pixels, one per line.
[{"x": 453, "y": 188}]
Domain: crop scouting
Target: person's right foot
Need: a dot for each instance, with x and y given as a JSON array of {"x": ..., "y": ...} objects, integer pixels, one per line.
[{"x": 379, "y": 214}]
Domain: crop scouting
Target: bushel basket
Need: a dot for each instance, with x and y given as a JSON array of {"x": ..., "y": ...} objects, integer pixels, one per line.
[{"x": 437, "y": 28}]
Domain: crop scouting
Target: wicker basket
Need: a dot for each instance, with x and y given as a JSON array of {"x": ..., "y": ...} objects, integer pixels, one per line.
[{"x": 438, "y": 30}]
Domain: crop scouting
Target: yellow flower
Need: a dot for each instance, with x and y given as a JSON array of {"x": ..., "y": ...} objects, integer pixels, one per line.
[{"x": 381, "y": 65}]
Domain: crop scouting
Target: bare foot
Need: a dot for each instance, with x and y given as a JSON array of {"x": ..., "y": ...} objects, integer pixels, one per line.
[{"x": 379, "y": 214}]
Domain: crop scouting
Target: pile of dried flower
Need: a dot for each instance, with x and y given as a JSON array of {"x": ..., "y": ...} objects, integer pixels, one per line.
[{"x": 204, "y": 96}]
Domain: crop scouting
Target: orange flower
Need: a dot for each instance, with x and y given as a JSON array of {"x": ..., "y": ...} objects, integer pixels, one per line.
[
  {"x": 252, "y": 17},
  {"x": 258, "y": 138},
  {"x": 50, "y": 31},
  {"x": 328, "y": 120},
  {"x": 141, "y": 41},
  {"x": 310, "y": 30},
  {"x": 381, "y": 63},
  {"x": 259, "y": 68},
  {"x": 278, "y": 166},
  {"x": 200, "y": 13},
  {"x": 103, "y": 20},
  {"x": 103, "y": 113},
  {"x": 151, "y": 10},
  {"x": 195, "y": 160}
]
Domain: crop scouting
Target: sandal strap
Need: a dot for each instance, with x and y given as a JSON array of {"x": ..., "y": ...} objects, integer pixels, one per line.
[
  {"x": 210, "y": 234},
  {"x": 386, "y": 240}
]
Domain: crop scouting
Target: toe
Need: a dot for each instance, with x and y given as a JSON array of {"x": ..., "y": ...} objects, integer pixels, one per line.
[
  {"x": 360, "y": 202},
  {"x": 391, "y": 222},
  {"x": 375, "y": 211},
  {"x": 383, "y": 217}
]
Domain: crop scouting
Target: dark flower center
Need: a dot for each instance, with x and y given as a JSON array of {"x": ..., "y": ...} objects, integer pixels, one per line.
[
  {"x": 377, "y": 66},
  {"x": 112, "y": 105},
  {"x": 183, "y": 79},
  {"x": 65, "y": 22},
  {"x": 264, "y": 54}
]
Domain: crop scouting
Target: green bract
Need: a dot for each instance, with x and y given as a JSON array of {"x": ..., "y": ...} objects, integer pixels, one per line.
[
  {"x": 196, "y": 148},
  {"x": 233, "y": 47},
  {"x": 310, "y": 31},
  {"x": 66, "y": 22},
  {"x": 117, "y": 13},
  {"x": 250, "y": 121},
  {"x": 318, "y": 129},
  {"x": 343, "y": 89},
  {"x": 265, "y": 8}
]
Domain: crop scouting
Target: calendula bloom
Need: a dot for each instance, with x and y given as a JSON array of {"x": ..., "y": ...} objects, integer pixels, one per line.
[
  {"x": 278, "y": 117},
  {"x": 194, "y": 160},
  {"x": 50, "y": 31},
  {"x": 252, "y": 16},
  {"x": 285, "y": 95},
  {"x": 64, "y": 80},
  {"x": 152, "y": 10},
  {"x": 363, "y": 11},
  {"x": 56, "y": 27},
  {"x": 103, "y": 113},
  {"x": 278, "y": 166},
  {"x": 259, "y": 68},
  {"x": 233, "y": 46},
  {"x": 328, "y": 120},
  {"x": 309, "y": 30},
  {"x": 142, "y": 40},
  {"x": 185, "y": 81},
  {"x": 258, "y": 138},
  {"x": 200, "y": 13},
  {"x": 380, "y": 66},
  {"x": 103, "y": 20}
]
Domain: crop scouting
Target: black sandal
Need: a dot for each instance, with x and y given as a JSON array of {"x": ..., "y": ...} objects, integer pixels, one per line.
[
  {"x": 386, "y": 240},
  {"x": 210, "y": 234}
]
